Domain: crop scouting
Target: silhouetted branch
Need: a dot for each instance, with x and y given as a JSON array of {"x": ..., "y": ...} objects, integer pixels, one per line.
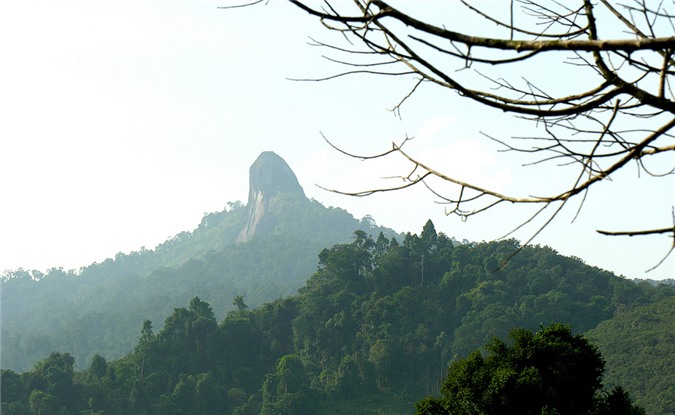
[{"x": 622, "y": 112}]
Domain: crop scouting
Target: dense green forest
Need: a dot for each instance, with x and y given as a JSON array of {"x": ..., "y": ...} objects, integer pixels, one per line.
[
  {"x": 373, "y": 330},
  {"x": 647, "y": 335}
]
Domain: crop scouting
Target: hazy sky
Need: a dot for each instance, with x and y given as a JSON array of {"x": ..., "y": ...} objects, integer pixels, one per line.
[{"x": 123, "y": 122}]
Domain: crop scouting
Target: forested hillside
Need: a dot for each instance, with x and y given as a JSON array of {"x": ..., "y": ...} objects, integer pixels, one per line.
[
  {"x": 639, "y": 347},
  {"x": 98, "y": 309},
  {"x": 372, "y": 331}
]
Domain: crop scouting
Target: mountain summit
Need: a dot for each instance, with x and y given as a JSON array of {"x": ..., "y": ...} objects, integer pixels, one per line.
[{"x": 271, "y": 183}]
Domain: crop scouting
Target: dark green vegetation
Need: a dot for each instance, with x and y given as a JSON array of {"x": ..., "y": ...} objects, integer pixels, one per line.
[
  {"x": 639, "y": 347},
  {"x": 372, "y": 331},
  {"x": 549, "y": 372}
]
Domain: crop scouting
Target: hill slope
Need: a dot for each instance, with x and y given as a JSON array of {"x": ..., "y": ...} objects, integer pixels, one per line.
[
  {"x": 639, "y": 347},
  {"x": 374, "y": 328},
  {"x": 261, "y": 251}
]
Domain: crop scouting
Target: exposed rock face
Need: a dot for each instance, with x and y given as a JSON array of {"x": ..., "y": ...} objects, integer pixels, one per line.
[{"x": 271, "y": 182}]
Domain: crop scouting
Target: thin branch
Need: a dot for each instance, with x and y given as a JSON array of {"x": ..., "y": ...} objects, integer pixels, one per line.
[
  {"x": 238, "y": 6},
  {"x": 638, "y": 233},
  {"x": 342, "y": 74}
]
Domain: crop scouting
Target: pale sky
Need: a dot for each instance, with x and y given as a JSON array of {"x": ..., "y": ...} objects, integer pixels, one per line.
[{"x": 123, "y": 122}]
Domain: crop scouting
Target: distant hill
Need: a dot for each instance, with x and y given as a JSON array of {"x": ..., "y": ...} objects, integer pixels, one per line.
[
  {"x": 264, "y": 250},
  {"x": 639, "y": 347},
  {"x": 666, "y": 281}
]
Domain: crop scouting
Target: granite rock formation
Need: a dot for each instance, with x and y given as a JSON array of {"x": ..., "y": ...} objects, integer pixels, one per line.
[{"x": 272, "y": 184}]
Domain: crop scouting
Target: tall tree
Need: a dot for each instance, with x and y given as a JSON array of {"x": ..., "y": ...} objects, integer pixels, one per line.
[{"x": 551, "y": 371}]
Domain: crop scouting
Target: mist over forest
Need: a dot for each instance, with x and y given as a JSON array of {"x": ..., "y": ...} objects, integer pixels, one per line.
[
  {"x": 545, "y": 127},
  {"x": 284, "y": 305}
]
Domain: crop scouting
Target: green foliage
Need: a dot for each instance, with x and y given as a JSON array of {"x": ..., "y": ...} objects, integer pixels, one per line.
[
  {"x": 551, "y": 371},
  {"x": 638, "y": 347},
  {"x": 98, "y": 367},
  {"x": 375, "y": 328},
  {"x": 287, "y": 391}
]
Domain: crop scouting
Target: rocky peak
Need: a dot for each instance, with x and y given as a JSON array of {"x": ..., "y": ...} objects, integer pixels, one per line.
[{"x": 271, "y": 181}]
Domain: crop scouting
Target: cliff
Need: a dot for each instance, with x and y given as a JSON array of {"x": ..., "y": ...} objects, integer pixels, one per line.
[{"x": 271, "y": 184}]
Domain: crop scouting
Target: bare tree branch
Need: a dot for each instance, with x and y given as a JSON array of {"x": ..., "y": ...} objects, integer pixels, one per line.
[{"x": 622, "y": 114}]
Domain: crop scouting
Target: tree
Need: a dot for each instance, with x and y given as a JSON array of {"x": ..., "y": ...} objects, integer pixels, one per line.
[
  {"x": 240, "y": 304},
  {"x": 286, "y": 391},
  {"x": 98, "y": 366},
  {"x": 41, "y": 403},
  {"x": 617, "y": 109},
  {"x": 551, "y": 371},
  {"x": 12, "y": 387},
  {"x": 54, "y": 377},
  {"x": 202, "y": 309}
]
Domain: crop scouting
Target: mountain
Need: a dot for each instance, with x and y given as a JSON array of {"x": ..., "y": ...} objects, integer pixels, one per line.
[
  {"x": 261, "y": 251},
  {"x": 372, "y": 331}
]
